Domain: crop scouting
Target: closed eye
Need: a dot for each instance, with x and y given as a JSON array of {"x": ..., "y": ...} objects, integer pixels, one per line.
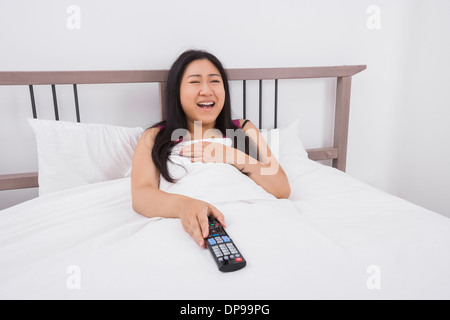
[{"x": 213, "y": 81}]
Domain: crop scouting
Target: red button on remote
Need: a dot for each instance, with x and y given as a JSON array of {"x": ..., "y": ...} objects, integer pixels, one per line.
[{"x": 238, "y": 259}]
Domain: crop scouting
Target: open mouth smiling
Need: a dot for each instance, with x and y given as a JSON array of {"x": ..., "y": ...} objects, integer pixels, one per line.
[{"x": 206, "y": 105}]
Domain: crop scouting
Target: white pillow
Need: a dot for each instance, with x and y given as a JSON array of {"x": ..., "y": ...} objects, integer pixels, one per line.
[
  {"x": 74, "y": 154},
  {"x": 293, "y": 153},
  {"x": 285, "y": 142}
]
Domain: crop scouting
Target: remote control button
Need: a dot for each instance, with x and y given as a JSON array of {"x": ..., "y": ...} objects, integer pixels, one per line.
[
  {"x": 238, "y": 259},
  {"x": 226, "y": 239},
  {"x": 232, "y": 248},
  {"x": 212, "y": 241}
]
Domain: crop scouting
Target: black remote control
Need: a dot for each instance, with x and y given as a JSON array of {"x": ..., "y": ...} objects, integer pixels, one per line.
[{"x": 227, "y": 256}]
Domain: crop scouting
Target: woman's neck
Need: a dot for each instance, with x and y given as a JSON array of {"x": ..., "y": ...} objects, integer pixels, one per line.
[{"x": 197, "y": 129}]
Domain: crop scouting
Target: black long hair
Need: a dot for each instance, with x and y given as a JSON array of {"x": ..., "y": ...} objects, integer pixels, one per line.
[{"x": 174, "y": 117}]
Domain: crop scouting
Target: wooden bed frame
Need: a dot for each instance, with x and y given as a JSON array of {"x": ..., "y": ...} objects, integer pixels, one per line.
[{"x": 337, "y": 153}]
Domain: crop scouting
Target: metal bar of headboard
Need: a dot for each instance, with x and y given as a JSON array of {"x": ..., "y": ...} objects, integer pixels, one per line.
[
  {"x": 77, "y": 106},
  {"x": 33, "y": 102},
  {"x": 260, "y": 104},
  {"x": 55, "y": 102},
  {"x": 275, "y": 116},
  {"x": 244, "y": 95}
]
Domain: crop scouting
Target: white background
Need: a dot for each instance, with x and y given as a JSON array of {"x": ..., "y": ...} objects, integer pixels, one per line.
[{"x": 399, "y": 131}]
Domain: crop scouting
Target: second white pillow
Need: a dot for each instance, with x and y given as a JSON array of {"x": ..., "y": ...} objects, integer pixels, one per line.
[{"x": 74, "y": 154}]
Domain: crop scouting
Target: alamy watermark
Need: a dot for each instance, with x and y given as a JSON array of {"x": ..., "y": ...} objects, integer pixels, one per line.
[
  {"x": 373, "y": 21},
  {"x": 73, "y": 21},
  {"x": 374, "y": 280},
  {"x": 74, "y": 279},
  {"x": 217, "y": 152}
]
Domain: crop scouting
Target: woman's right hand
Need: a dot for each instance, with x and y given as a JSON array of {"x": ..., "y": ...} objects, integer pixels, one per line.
[
  {"x": 194, "y": 214},
  {"x": 150, "y": 201}
]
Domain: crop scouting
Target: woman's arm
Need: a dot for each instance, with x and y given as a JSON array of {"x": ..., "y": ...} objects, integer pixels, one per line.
[
  {"x": 149, "y": 201},
  {"x": 267, "y": 172}
]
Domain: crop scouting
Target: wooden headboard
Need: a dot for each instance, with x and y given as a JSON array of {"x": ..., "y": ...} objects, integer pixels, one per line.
[{"x": 337, "y": 153}]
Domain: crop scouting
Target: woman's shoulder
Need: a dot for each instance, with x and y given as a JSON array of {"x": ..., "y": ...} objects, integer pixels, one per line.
[
  {"x": 150, "y": 134},
  {"x": 154, "y": 129}
]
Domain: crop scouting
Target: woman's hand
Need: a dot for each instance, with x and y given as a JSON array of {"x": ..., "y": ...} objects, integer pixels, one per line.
[
  {"x": 194, "y": 214},
  {"x": 209, "y": 152}
]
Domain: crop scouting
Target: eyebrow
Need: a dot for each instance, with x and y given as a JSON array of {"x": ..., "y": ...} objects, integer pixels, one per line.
[{"x": 210, "y": 75}]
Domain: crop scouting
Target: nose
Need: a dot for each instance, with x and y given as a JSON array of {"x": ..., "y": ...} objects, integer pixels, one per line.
[{"x": 205, "y": 90}]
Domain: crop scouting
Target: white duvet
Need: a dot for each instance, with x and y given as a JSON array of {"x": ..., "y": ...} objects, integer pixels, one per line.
[{"x": 336, "y": 238}]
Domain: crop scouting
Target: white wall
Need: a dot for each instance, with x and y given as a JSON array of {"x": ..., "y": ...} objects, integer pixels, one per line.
[{"x": 399, "y": 108}]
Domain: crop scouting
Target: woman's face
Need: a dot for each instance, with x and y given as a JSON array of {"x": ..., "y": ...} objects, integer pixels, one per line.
[{"x": 202, "y": 93}]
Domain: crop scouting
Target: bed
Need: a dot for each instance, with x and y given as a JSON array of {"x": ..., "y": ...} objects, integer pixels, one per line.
[{"x": 334, "y": 238}]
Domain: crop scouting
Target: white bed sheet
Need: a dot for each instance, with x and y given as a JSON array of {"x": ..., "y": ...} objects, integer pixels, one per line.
[{"x": 318, "y": 245}]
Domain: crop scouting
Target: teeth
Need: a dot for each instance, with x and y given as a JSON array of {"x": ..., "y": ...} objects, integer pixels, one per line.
[{"x": 208, "y": 104}]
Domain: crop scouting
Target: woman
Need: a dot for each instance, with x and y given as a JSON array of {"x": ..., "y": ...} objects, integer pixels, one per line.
[{"x": 197, "y": 101}]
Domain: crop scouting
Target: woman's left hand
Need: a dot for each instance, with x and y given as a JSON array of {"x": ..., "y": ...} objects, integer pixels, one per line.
[{"x": 209, "y": 152}]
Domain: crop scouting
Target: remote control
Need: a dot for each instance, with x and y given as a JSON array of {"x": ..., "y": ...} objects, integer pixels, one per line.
[{"x": 227, "y": 256}]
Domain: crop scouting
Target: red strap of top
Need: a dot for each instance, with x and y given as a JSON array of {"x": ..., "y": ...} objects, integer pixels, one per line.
[{"x": 237, "y": 123}]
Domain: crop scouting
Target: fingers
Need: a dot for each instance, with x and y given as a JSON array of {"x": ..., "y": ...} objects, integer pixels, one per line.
[
  {"x": 203, "y": 222},
  {"x": 196, "y": 222},
  {"x": 192, "y": 227},
  {"x": 197, "y": 236},
  {"x": 218, "y": 215},
  {"x": 206, "y": 152},
  {"x": 193, "y": 149},
  {"x": 193, "y": 152}
]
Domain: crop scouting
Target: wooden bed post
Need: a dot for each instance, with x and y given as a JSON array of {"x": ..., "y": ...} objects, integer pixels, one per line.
[
  {"x": 341, "y": 120},
  {"x": 162, "y": 95}
]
